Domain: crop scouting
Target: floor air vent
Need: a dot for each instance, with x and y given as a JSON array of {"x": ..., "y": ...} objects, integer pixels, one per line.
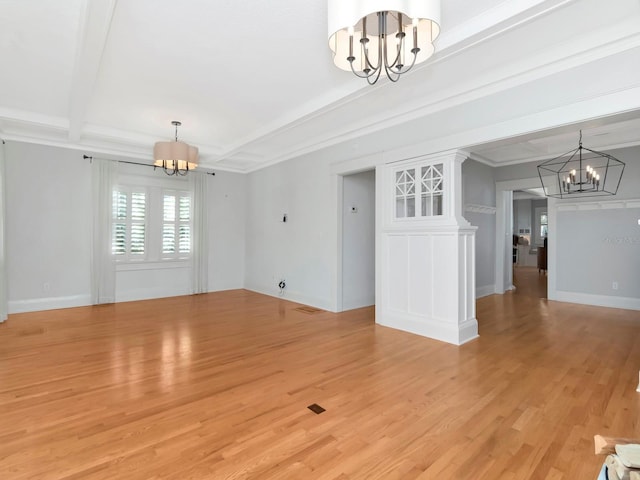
[{"x": 315, "y": 408}]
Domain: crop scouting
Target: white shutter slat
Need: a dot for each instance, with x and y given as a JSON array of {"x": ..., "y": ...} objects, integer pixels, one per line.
[
  {"x": 184, "y": 239},
  {"x": 168, "y": 238},
  {"x": 185, "y": 209},
  {"x": 169, "y": 208}
]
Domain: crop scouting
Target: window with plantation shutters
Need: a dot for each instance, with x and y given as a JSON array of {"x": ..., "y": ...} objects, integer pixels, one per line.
[
  {"x": 129, "y": 224},
  {"x": 176, "y": 226},
  {"x": 151, "y": 224}
]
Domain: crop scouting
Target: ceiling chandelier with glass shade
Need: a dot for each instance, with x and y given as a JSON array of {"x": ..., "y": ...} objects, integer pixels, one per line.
[
  {"x": 582, "y": 172},
  {"x": 175, "y": 158},
  {"x": 375, "y": 36}
]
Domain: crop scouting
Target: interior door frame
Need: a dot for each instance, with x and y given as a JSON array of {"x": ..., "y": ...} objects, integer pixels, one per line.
[{"x": 504, "y": 231}]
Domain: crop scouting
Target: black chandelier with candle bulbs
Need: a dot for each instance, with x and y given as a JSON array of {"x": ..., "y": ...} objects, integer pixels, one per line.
[{"x": 582, "y": 172}]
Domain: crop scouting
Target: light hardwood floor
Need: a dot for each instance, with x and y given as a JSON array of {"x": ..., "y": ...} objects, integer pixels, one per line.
[{"x": 217, "y": 387}]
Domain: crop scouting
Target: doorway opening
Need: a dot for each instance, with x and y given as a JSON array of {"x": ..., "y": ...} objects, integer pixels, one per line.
[
  {"x": 358, "y": 239},
  {"x": 524, "y": 239},
  {"x": 530, "y": 230}
]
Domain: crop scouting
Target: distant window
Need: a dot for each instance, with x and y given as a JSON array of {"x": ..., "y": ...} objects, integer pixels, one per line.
[{"x": 544, "y": 225}]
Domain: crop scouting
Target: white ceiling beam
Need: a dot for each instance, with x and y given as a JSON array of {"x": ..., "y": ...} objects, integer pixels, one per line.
[{"x": 93, "y": 31}]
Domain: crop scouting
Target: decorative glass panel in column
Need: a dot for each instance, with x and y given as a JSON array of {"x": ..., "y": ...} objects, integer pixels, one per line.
[
  {"x": 406, "y": 193},
  {"x": 431, "y": 187}
]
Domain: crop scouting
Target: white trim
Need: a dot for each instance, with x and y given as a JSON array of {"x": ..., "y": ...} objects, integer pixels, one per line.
[
  {"x": 485, "y": 291},
  {"x": 502, "y": 188},
  {"x": 628, "y": 303},
  {"x": 443, "y": 331},
  {"x": 486, "y": 209},
  {"x": 142, "y": 265},
  {"x": 95, "y": 22},
  {"x": 152, "y": 293},
  {"x": 603, "y": 205},
  {"x": 295, "y": 297},
  {"x": 50, "y": 303}
]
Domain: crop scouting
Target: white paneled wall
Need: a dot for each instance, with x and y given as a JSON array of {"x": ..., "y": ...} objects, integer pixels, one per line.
[{"x": 427, "y": 263}]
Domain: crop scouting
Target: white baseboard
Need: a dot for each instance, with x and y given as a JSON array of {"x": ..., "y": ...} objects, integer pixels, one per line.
[
  {"x": 485, "y": 291},
  {"x": 450, "y": 332},
  {"x": 52, "y": 303},
  {"x": 358, "y": 303},
  {"x": 55, "y": 303},
  {"x": 627, "y": 303},
  {"x": 150, "y": 294},
  {"x": 292, "y": 297}
]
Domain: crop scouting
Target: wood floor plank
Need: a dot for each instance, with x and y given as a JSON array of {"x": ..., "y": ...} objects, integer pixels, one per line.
[{"x": 217, "y": 386}]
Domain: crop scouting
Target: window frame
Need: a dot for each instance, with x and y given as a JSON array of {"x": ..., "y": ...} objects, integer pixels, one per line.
[
  {"x": 129, "y": 222},
  {"x": 177, "y": 222},
  {"x": 154, "y": 191}
]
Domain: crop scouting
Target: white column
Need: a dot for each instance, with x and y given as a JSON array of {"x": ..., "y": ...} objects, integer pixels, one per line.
[{"x": 426, "y": 264}]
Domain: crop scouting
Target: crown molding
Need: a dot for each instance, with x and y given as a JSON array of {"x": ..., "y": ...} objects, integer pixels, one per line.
[
  {"x": 519, "y": 11},
  {"x": 580, "y": 52}
]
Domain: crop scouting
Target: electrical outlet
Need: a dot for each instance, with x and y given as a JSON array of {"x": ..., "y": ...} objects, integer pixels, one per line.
[
  {"x": 282, "y": 284},
  {"x": 614, "y": 286}
]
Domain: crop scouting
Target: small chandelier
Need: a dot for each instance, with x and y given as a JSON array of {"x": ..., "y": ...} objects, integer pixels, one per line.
[
  {"x": 175, "y": 158},
  {"x": 581, "y": 173},
  {"x": 369, "y": 37}
]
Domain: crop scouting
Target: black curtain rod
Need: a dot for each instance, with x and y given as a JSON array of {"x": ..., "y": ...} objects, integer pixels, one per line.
[{"x": 89, "y": 157}]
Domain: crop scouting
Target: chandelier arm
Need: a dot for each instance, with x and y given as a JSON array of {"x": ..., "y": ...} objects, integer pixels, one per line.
[
  {"x": 363, "y": 46},
  {"x": 394, "y": 64},
  {"x": 391, "y": 75},
  {"x": 415, "y": 56},
  {"x": 386, "y": 53},
  {"x": 366, "y": 75},
  {"x": 378, "y": 71}
]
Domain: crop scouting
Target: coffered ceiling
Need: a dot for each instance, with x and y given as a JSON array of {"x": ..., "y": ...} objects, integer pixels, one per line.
[{"x": 254, "y": 84}]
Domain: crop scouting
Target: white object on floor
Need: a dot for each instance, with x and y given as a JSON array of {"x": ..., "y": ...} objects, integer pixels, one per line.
[{"x": 629, "y": 455}]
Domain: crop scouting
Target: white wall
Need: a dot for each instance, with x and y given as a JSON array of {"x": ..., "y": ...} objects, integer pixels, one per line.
[
  {"x": 227, "y": 207},
  {"x": 597, "y": 248},
  {"x": 48, "y": 232},
  {"x": 358, "y": 240},
  {"x": 522, "y": 218},
  {"x": 48, "y": 227},
  {"x": 301, "y": 251},
  {"x": 479, "y": 200}
]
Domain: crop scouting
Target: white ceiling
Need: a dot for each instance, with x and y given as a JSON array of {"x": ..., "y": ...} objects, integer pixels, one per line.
[{"x": 253, "y": 82}]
